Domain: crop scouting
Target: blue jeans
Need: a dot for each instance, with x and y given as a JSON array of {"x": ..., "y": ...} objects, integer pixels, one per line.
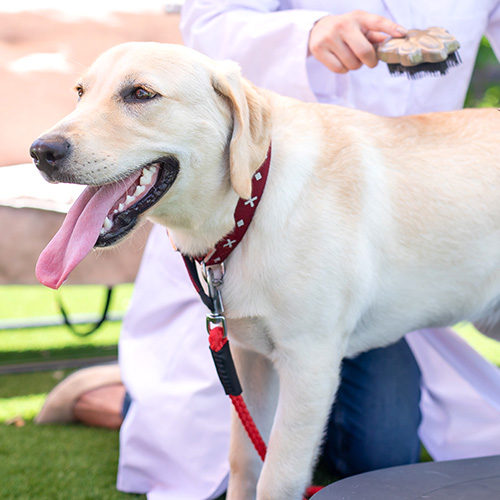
[{"x": 376, "y": 415}]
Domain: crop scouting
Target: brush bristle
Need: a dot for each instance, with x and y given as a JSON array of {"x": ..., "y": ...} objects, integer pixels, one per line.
[{"x": 426, "y": 69}]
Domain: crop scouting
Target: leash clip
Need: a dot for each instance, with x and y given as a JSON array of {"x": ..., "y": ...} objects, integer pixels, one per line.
[
  {"x": 216, "y": 315},
  {"x": 213, "y": 280}
]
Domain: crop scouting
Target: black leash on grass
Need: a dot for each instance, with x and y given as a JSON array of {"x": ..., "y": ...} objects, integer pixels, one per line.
[{"x": 96, "y": 325}]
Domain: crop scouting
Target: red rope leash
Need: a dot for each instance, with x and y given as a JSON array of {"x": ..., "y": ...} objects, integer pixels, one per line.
[
  {"x": 312, "y": 490},
  {"x": 217, "y": 342},
  {"x": 249, "y": 425}
]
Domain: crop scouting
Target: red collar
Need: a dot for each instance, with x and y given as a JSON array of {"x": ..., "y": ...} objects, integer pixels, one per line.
[{"x": 243, "y": 216}]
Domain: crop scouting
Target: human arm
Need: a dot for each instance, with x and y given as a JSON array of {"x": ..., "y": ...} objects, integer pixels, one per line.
[{"x": 271, "y": 45}]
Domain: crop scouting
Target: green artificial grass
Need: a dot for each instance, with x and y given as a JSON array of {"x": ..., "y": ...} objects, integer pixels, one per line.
[
  {"x": 59, "y": 462},
  {"x": 25, "y": 384},
  {"x": 22, "y": 395},
  {"x": 36, "y": 300},
  {"x": 58, "y": 342},
  {"x": 486, "y": 346},
  {"x": 29, "y": 406},
  {"x": 53, "y": 462}
]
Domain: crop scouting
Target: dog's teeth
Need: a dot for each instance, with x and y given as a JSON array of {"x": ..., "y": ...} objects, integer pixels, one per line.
[
  {"x": 146, "y": 177},
  {"x": 129, "y": 200},
  {"x": 139, "y": 190},
  {"x": 121, "y": 207},
  {"x": 107, "y": 224}
]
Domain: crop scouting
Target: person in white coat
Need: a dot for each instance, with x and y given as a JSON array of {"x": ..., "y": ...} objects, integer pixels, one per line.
[{"x": 174, "y": 438}]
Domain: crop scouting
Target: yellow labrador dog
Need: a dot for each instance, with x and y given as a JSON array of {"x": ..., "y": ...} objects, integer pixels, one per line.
[{"x": 368, "y": 227}]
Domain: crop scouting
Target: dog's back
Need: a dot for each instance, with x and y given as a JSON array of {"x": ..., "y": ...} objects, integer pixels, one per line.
[{"x": 400, "y": 215}]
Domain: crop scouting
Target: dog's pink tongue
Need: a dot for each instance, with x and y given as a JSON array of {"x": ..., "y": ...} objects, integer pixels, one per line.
[{"x": 78, "y": 233}]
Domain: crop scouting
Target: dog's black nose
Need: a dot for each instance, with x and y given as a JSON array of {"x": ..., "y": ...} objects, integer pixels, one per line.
[{"x": 49, "y": 154}]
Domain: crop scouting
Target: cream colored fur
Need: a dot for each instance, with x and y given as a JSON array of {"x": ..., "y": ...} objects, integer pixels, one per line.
[{"x": 368, "y": 228}]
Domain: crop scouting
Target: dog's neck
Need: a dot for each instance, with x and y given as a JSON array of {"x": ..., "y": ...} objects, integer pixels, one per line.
[
  {"x": 243, "y": 216},
  {"x": 199, "y": 237}
]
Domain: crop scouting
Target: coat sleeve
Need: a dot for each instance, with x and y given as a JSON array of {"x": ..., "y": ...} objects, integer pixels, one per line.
[
  {"x": 270, "y": 44},
  {"x": 493, "y": 30}
]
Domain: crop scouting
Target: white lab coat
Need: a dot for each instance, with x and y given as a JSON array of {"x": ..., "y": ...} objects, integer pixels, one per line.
[{"x": 174, "y": 440}]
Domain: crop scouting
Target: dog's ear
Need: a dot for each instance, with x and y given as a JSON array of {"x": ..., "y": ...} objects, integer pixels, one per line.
[{"x": 251, "y": 132}]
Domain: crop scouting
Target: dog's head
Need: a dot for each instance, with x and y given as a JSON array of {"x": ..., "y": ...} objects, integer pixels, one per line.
[{"x": 160, "y": 131}]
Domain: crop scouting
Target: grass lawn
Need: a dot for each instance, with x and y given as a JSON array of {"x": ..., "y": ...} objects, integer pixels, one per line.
[
  {"x": 488, "y": 347},
  {"x": 74, "y": 462},
  {"x": 58, "y": 463},
  {"x": 53, "y": 462},
  {"x": 57, "y": 342}
]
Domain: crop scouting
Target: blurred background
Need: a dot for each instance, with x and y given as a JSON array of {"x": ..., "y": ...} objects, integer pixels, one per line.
[
  {"x": 484, "y": 91},
  {"x": 43, "y": 51}
]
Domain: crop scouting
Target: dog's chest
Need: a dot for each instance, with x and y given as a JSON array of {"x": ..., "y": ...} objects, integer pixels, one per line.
[{"x": 251, "y": 333}]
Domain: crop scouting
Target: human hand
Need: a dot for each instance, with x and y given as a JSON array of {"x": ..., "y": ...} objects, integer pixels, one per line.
[{"x": 346, "y": 42}]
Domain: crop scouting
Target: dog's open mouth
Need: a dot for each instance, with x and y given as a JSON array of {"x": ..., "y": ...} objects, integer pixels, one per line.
[
  {"x": 101, "y": 216},
  {"x": 154, "y": 181}
]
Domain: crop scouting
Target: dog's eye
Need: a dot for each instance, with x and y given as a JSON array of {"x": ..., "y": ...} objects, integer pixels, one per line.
[
  {"x": 79, "y": 91},
  {"x": 142, "y": 94}
]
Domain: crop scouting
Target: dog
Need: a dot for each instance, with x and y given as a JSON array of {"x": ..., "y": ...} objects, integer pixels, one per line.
[{"x": 368, "y": 228}]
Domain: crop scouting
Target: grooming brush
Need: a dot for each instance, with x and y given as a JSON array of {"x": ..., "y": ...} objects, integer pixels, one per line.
[{"x": 420, "y": 53}]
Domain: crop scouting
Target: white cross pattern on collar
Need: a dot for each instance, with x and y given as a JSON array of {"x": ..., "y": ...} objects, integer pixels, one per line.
[
  {"x": 251, "y": 201},
  {"x": 230, "y": 243}
]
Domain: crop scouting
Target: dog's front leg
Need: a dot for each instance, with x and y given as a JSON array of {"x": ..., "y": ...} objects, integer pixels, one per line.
[
  {"x": 260, "y": 391},
  {"x": 308, "y": 377}
]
